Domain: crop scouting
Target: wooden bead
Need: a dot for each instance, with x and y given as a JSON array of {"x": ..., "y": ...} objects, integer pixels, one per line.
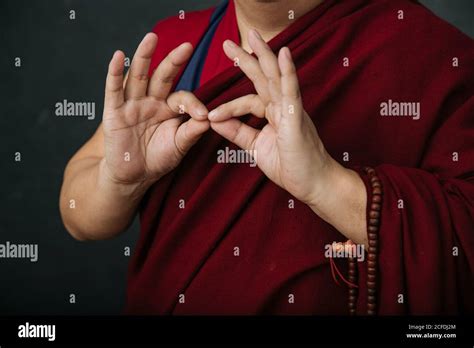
[
  {"x": 375, "y": 206},
  {"x": 352, "y": 312},
  {"x": 372, "y": 250},
  {"x": 372, "y": 257},
  {"x": 376, "y": 199},
  {"x": 352, "y": 299},
  {"x": 372, "y": 232},
  {"x": 371, "y": 285},
  {"x": 370, "y": 312},
  {"x": 376, "y": 190},
  {"x": 371, "y": 264},
  {"x": 353, "y": 291},
  {"x": 372, "y": 235},
  {"x": 373, "y": 243},
  {"x": 371, "y": 291},
  {"x": 373, "y": 214},
  {"x": 371, "y": 277},
  {"x": 374, "y": 222},
  {"x": 371, "y": 299},
  {"x": 371, "y": 306},
  {"x": 376, "y": 183}
]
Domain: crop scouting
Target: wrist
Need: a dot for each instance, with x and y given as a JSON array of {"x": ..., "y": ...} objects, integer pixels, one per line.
[
  {"x": 326, "y": 183},
  {"x": 131, "y": 190},
  {"x": 340, "y": 198},
  {"x": 336, "y": 184}
]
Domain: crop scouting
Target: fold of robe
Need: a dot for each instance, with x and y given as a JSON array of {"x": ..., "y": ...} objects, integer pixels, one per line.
[{"x": 220, "y": 238}]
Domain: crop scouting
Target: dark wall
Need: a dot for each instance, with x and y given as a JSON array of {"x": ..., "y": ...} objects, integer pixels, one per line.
[{"x": 67, "y": 59}]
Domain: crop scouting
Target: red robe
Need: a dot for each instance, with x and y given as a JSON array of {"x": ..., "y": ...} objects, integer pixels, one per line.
[{"x": 396, "y": 51}]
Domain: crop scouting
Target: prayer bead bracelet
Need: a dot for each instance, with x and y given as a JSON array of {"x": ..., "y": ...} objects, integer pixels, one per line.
[{"x": 373, "y": 224}]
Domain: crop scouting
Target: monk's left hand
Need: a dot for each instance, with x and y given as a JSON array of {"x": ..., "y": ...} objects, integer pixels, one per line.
[{"x": 288, "y": 149}]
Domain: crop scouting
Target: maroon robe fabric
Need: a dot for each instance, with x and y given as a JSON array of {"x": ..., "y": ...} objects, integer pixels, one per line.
[{"x": 428, "y": 205}]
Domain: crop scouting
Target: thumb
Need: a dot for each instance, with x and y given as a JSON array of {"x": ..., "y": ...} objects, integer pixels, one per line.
[{"x": 189, "y": 133}]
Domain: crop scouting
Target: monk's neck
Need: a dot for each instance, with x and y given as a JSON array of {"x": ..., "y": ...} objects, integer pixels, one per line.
[{"x": 269, "y": 17}]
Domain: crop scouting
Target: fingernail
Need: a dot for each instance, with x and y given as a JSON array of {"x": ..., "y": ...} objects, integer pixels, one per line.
[
  {"x": 256, "y": 34},
  {"x": 212, "y": 114},
  {"x": 230, "y": 44},
  {"x": 287, "y": 53},
  {"x": 149, "y": 35},
  {"x": 201, "y": 111},
  {"x": 184, "y": 44}
]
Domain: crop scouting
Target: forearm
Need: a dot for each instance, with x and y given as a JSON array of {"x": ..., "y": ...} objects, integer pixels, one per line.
[
  {"x": 342, "y": 202},
  {"x": 93, "y": 206}
]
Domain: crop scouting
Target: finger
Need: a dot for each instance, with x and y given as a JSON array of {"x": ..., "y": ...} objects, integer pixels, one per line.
[
  {"x": 189, "y": 133},
  {"x": 163, "y": 77},
  {"x": 248, "y": 104},
  {"x": 184, "y": 102},
  {"x": 114, "y": 82},
  {"x": 138, "y": 77},
  {"x": 291, "y": 95},
  {"x": 268, "y": 62},
  {"x": 250, "y": 66},
  {"x": 237, "y": 132},
  {"x": 290, "y": 87}
]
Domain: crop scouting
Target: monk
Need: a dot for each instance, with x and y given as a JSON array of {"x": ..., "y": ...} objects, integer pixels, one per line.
[{"x": 359, "y": 116}]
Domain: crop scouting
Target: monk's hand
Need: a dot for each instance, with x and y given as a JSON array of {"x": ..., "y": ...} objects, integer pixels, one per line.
[
  {"x": 288, "y": 149},
  {"x": 145, "y": 127}
]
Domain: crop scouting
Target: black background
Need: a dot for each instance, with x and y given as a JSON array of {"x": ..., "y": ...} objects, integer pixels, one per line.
[{"x": 67, "y": 59}]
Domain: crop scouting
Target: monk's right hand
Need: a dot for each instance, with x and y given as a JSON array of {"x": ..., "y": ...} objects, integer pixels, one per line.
[{"x": 145, "y": 127}]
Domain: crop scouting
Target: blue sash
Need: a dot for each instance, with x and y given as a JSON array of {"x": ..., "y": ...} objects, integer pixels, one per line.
[{"x": 191, "y": 77}]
